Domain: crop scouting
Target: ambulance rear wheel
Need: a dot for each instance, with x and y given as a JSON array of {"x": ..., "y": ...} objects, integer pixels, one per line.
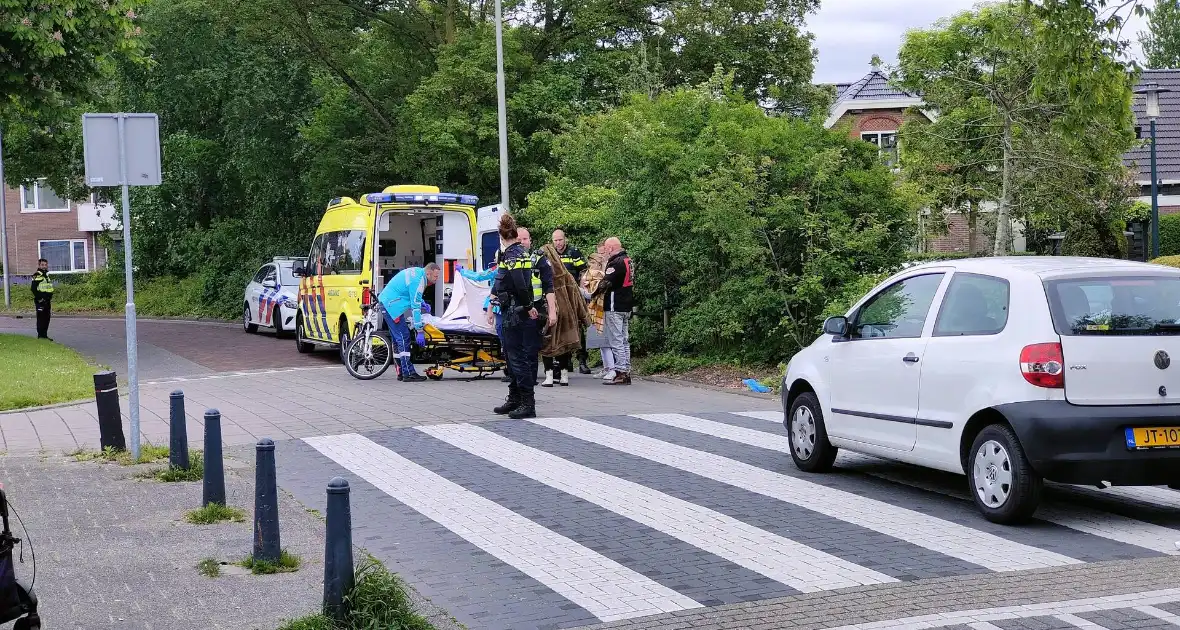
[{"x": 301, "y": 343}]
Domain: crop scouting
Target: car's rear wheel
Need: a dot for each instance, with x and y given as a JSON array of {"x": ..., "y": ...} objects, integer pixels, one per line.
[
  {"x": 301, "y": 343},
  {"x": 1003, "y": 483},
  {"x": 247, "y": 325},
  {"x": 808, "y": 436}
]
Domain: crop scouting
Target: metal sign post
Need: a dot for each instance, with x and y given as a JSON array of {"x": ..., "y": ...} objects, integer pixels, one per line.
[
  {"x": 124, "y": 150},
  {"x": 4, "y": 226}
]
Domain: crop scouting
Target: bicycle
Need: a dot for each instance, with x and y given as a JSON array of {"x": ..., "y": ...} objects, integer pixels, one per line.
[{"x": 371, "y": 351}]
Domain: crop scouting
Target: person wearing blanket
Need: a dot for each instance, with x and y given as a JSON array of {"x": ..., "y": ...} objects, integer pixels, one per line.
[
  {"x": 402, "y": 299},
  {"x": 572, "y": 317}
]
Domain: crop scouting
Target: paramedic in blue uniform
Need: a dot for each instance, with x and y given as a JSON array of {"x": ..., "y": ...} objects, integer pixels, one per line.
[
  {"x": 524, "y": 288},
  {"x": 404, "y": 306}
]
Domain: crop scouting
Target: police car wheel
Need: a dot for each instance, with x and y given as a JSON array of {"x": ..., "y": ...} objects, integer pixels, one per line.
[
  {"x": 246, "y": 324},
  {"x": 277, "y": 318}
]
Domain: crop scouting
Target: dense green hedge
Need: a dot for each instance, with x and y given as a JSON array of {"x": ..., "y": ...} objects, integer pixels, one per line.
[{"x": 1170, "y": 235}]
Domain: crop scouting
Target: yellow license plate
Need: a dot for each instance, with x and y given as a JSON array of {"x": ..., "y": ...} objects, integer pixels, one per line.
[{"x": 1153, "y": 437}]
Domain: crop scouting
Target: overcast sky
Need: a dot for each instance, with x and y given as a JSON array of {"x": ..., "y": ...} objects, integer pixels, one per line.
[{"x": 849, "y": 32}]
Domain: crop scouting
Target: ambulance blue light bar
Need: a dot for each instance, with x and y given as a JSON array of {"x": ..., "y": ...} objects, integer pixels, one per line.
[{"x": 422, "y": 198}]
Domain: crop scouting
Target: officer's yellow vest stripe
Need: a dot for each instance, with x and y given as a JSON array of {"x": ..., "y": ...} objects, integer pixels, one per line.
[{"x": 530, "y": 264}]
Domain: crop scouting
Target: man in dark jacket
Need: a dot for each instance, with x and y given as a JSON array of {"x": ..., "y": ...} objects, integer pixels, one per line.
[
  {"x": 618, "y": 285},
  {"x": 42, "y": 297}
]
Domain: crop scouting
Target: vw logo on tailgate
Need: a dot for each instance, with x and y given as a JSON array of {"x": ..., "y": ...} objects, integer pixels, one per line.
[{"x": 1162, "y": 360}]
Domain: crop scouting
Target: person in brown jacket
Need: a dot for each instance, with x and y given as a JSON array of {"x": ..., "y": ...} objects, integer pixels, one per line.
[{"x": 572, "y": 317}]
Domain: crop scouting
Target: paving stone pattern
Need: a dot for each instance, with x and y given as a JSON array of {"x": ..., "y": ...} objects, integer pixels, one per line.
[
  {"x": 320, "y": 398},
  {"x": 582, "y": 525}
]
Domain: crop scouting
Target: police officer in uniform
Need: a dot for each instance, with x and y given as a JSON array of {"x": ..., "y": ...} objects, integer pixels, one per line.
[
  {"x": 42, "y": 298},
  {"x": 524, "y": 289}
]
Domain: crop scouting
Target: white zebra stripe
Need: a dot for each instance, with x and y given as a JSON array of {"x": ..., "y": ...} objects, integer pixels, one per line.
[
  {"x": 607, "y": 589},
  {"x": 772, "y": 416},
  {"x": 1087, "y": 520},
  {"x": 796, "y": 565},
  {"x": 1159, "y": 614},
  {"x": 935, "y": 534}
]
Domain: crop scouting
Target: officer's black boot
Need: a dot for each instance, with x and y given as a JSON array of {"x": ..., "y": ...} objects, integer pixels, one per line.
[
  {"x": 510, "y": 403},
  {"x": 582, "y": 367},
  {"x": 527, "y": 408}
]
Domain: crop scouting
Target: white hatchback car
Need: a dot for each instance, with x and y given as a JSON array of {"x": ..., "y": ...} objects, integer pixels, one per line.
[
  {"x": 271, "y": 297},
  {"x": 1011, "y": 370}
]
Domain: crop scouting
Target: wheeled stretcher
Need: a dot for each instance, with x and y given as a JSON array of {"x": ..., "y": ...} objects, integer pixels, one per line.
[{"x": 461, "y": 339}]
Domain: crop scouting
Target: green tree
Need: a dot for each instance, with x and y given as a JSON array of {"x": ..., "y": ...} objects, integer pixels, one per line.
[
  {"x": 742, "y": 225},
  {"x": 1161, "y": 42},
  {"x": 1033, "y": 122},
  {"x": 53, "y": 54}
]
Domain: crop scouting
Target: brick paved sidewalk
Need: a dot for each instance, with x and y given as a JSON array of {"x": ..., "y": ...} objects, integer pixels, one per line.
[
  {"x": 115, "y": 552},
  {"x": 876, "y": 606},
  {"x": 284, "y": 403}
]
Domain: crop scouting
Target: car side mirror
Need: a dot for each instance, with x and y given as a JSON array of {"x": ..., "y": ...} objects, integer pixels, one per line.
[
  {"x": 837, "y": 325},
  {"x": 268, "y": 284},
  {"x": 299, "y": 271}
]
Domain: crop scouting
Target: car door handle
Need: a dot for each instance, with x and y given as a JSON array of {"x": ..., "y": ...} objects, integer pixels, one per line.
[{"x": 910, "y": 358}]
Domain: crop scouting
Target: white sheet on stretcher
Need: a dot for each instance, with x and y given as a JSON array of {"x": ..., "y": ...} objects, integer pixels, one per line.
[{"x": 465, "y": 311}]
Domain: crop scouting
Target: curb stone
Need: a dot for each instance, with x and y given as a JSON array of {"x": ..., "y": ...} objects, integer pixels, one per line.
[{"x": 686, "y": 383}]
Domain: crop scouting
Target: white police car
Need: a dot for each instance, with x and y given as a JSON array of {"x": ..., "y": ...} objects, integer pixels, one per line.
[{"x": 271, "y": 297}]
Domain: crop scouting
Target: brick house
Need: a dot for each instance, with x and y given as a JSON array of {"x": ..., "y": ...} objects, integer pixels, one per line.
[
  {"x": 1167, "y": 136},
  {"x": 873, "y": 110},
  {"x": 40, "y": 224}
]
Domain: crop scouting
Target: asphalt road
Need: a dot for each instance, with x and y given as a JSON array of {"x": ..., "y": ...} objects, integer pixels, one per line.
[{"x": 170, "y": 349}]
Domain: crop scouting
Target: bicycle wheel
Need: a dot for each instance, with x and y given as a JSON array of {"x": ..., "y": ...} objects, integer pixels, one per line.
[{"x": 368, "y": 356}]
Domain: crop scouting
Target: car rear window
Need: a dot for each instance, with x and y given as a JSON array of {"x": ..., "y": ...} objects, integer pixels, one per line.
[{"x": 1116, "y": 305}]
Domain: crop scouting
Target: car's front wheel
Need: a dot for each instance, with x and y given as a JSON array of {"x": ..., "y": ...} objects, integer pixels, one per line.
[
  {"x": 301, "y": 345},
  {"x": 808, "y": 436},
  {"x": 1003, "y": 483}
]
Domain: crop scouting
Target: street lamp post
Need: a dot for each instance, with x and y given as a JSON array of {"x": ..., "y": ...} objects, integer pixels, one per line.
[
  {"x": 502, "y": 106},
  {"x": 1151, "y": 92}
]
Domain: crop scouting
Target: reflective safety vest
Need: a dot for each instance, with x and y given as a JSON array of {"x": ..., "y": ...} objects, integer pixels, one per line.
[
  {"x": 46, "y": 285},
  {"x": 530, "y": 263}
]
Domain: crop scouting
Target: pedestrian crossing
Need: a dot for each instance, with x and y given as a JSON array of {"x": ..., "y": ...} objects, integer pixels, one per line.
[{"x": 562, "y": 522}]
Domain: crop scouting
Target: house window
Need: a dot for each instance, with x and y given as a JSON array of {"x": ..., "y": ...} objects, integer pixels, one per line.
[
  {"x": 64, "y": 256},
  {"x": 886, "y": 142},
  {"x": 39, "y": 197}
]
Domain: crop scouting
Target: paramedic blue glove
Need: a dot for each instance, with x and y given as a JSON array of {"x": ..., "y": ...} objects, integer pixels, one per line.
[
  {"x": 426, "y": 308},
  {"x": 421, "y": 339}
]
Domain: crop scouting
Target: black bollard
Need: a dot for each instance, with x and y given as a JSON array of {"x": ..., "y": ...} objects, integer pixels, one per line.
[
  {"x": 110, "y": 417},
  {"x": 178, "y": 432},
  {"x": 266, "y": 503},
  {"x": 214, "y": 486},
  {"x": 338, "y": 570}
]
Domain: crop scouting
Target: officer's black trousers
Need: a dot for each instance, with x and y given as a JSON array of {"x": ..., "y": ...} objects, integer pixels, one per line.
[
  {"x": 44, "y": 309},
  {"x": 522, "y": 342}
]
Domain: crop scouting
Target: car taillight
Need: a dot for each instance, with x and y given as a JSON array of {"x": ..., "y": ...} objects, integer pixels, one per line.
[
  {"x": 1042, "y": 364},
  {"x": 366, "y": 297}
]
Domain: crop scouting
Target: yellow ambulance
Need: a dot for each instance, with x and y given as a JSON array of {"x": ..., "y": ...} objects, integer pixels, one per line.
[{"x": 361, "y": 244}]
